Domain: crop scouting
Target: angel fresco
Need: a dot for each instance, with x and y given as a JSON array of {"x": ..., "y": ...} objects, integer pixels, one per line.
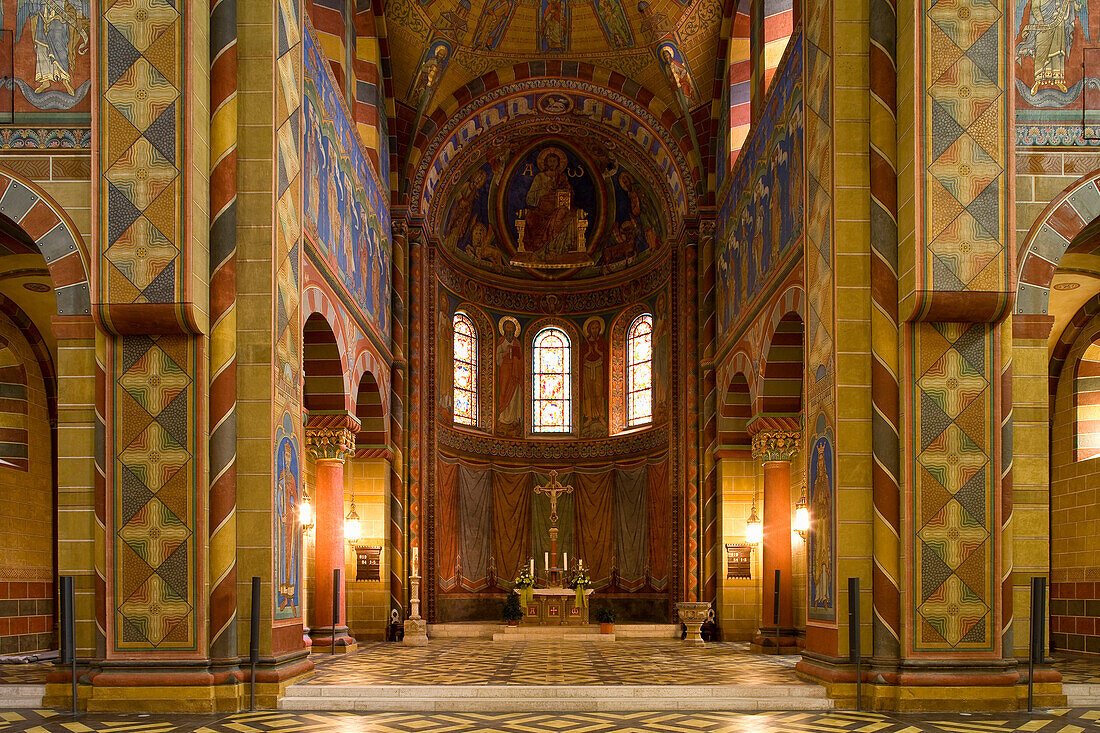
[
  {"x": 614, "y": 23},
  {"x": 490, "y": 29},
  {"x": 53, "y": 24},
  {"x": 1048, "y": 37}
]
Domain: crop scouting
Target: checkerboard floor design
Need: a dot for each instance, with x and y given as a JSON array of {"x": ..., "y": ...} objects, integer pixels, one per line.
[
  {"x": 24, "y": 674},
  {"x": 1051, "y": 721},
  {"x": 625, "y": 662},
  {"x": 1082, "y": 669}
]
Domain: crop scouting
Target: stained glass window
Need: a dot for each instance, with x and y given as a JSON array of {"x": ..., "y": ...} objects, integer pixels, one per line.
[
  {"x": 465, "y": 363},
  {"x": 639, "y": 371},
  {"x": 553, "y": 411}
]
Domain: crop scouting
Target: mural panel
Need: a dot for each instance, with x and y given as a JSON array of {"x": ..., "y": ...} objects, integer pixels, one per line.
[
  {"x": 45, "y": 59},
  {"x": 760, "y": 219},
  {"x": 347, "y": 214},
  {"x": 551, "y": 210},
  {"x": 821, "y": 543},
  {"x": 287, "y": 531}
]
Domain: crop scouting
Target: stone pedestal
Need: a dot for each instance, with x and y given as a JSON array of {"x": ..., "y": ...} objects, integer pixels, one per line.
[
  {"x": 693, "y": 615},
  {"x": 416, "y": 632}
]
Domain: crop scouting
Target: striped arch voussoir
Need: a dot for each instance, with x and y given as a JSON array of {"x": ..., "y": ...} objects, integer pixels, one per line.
[
  {"x": 55, "y": 236},
  {"x": 368, "y": 362},
  {"x": 314, "y": 300},
  {"x": 791, "y": 301},
  {"x": 1049, "y": 238}
]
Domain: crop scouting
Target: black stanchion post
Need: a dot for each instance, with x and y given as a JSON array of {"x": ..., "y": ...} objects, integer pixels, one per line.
[
  {"x": 335, "y": 605},
  {"x": 775, "y": 609},
  {"x": 254, "y": 642},
  {"x": 68, "y": 629},
  {"x": 1038, "y": 634},
  {"x": 855, "y": 648}
]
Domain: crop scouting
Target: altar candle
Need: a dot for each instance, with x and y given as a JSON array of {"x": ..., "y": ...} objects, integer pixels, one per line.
[
  {"x": 546, "y": 559},
  {"x": 532, "y": 566},
  {"x": 415, "y": 559},
  {"x": 565, "y": 562}
]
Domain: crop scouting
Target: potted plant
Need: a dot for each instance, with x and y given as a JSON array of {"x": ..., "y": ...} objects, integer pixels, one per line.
[
  {"x": 606, "y": 618},
  {"x": 512, "y": 612}
]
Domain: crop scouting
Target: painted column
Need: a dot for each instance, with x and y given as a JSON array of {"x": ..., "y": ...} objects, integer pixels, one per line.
[
  {"x": 775, "y": 449},
  {"x": 329, "y": 446}
]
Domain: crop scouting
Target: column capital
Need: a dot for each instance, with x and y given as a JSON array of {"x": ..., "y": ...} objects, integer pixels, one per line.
[
  {"x": 775, "y": 445},
  {"x": 330, "y": 442}
]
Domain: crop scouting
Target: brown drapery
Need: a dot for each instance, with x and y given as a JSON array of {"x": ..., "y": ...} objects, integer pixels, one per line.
[
  {"x": 659, "y": 516},
  {"x": 446, "y": 524},
  {"x": 595, "y": 523},
  {"x": 511, "y": 522}
]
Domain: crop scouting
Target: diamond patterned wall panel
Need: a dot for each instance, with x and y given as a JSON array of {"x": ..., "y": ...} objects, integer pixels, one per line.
[
  {"x": 154, "y": 515},
  {"x": 965, "y": 118},
  {"x": 140, "y": 154},
  {"x": 952, "y": 490}
]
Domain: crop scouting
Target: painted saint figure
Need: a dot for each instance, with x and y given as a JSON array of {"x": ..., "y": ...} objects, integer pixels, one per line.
[
  {"x": 509, "y": 358},
  {"x": 53, "y": 20},
  {"x": 614, "y": 22},
  {"x": 554, "y": 26},
  {"x": 821, "y": 509},
  {"x": 431, "y": 71},
  {"x": 287, "y": 488},
  {"x": 492, "y": 25},
  {"x": 444, "y": 360},
  {"x": 594, "y": 379},
  {"x": 1048, "y": 38},
  {"x": 551, "y": 219},
  {"x": 679, "y": 76},
  {"x": 661, "y": 374}
]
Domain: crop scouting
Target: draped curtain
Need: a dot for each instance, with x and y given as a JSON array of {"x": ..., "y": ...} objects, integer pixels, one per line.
[
  {"x": 631, "y": 497},
  {"x": 540, "y": 522},
  {"x": 659, "y": 502},
  {"x": 595, "y": 533},
  {"x": 511, "y": 522},
  {"x": 446, "y": 524},
  {"x": 474, "y": 507}
]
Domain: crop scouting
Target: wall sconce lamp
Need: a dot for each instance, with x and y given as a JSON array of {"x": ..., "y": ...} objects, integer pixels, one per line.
[
  {"x": 305, "y": 513},
  {"x": 754, "y": 528},
  {"x": 352, "y": 529},
  {"x": 802, "y": 516}
]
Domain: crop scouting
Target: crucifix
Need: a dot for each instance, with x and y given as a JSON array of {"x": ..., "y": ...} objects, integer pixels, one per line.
[{"x": 554, "y": 490}]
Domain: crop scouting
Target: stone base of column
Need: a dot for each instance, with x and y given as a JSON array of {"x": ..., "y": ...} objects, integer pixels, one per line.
[
  {"x": 322, "y": 640},
  {"x": 934, "y": 686},
  {"x": 416, "y": 632},
  {"x": 179, "y": 688},
  {"x": 763, "y": 641}
]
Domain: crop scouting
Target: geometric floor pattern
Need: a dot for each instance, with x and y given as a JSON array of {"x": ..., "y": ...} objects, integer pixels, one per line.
[
  {"x": 624, "y": 662},
  {"x": 1054, "y": 721},
  {"x": 1078, "y": 669},
  {"x": 24, "y": 674}
]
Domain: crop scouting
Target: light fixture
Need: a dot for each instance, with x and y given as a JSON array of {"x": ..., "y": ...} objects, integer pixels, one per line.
[
  {"x": 802, "y": 516},
  {"x": 754, "y": 528},
  {"x": 351, "y": 525},
  {"x": 305, "y": 513}
]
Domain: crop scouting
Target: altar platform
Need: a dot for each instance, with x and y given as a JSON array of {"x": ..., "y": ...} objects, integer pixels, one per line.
[{"x": 465, "y": 674}]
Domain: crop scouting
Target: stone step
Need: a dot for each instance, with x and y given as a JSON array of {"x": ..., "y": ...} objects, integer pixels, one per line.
[
  {"x": 470, "y": 630},
  {"x": 21, "y": 696},
  {"x": 558, "y": 698},
  {"x": 535, "y": 635},
  {"x": 1082, "y": 695}
]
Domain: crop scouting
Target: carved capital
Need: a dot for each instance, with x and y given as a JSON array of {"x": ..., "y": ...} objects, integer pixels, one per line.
[
  {"x": 330, "y": 442},
  {"x": 775, "y": 445}
]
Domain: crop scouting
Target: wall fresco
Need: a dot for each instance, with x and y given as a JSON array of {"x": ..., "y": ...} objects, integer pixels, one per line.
[
  {"x": 346, "y": 210},
  {"x": 552, "y": 209},
  {"x": 821, "y": 544},
  {"x": 45, "y": 59},
  {"x": 287, "y": 530},
  {"x": 760, "y": 219}
]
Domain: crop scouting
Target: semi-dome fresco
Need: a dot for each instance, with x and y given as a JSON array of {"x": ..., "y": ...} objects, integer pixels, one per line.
[{"x": 550, "y": 208}]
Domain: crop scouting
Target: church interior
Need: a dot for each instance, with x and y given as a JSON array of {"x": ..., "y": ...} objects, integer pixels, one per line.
[{"x": 607, "y": 358}]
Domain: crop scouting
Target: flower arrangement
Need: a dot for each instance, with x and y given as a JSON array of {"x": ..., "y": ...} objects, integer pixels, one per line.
[
  {"x": 525, "y": 583},
  {"x": 579, "y": 581}
]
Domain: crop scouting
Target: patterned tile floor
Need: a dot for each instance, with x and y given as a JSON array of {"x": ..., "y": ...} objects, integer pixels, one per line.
[
  {"x": 625, "y": 662},
  {"x": 24, "y": 674},
  {"x": 1054, "y": 721},
  {"x": 1078, "y": 669}
]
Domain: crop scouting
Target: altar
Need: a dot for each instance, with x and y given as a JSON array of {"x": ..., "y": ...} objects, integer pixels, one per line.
[{"x": 556, "y": 607}]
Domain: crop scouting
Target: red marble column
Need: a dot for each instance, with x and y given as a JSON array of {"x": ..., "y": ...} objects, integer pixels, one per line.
[
  {"x": 329, "y": 446},
  {"x": 775, "y": 449}
]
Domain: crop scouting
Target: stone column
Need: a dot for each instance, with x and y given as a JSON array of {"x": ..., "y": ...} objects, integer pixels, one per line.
[
  {"x": 329, "y": 446},
  {"x": 775, "y": 449}
]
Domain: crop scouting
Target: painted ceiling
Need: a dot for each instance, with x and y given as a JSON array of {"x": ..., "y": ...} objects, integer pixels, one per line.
[{"x": 484, "y": 35}]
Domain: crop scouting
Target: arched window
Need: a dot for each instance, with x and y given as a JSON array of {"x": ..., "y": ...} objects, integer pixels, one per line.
[
  {"x": 465, "y": 366},
  {"x": 553, "y": 385},
  {"x": 639, "y": 371}
]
